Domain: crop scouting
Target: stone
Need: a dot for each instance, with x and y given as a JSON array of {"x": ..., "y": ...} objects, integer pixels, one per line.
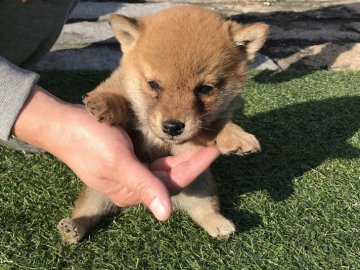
[
  {"x": 349, "y": 58},
  {"x": 262, "y": 62},
  {"x": 310, "y": 32},
  {"x": 91, "y": 58},
  {"x": 324, "y": 56},
  {"x": 102, "y": 11},
  {"x": 82, "y": 34},
  {"x": 282, "y": 9},
  {"x": 355, "y": 26},
  {"x": 306, "y": 34}
]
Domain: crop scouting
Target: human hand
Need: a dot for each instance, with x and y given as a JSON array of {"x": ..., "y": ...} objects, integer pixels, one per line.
[{"x": 102, "y": 156}]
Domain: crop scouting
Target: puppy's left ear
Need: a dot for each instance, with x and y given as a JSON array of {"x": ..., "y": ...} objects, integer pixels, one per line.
[
  {"x": 251, "y": 37},
  {"x": 126, "y": 30}
]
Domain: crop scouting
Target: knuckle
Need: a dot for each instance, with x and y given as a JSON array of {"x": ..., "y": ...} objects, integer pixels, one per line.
[{"x": 141, "y": 190}]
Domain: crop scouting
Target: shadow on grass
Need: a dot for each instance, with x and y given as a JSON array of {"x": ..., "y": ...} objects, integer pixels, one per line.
[
  {"x": 274, "y": 76},
  {"x": 295, "y": 139}
]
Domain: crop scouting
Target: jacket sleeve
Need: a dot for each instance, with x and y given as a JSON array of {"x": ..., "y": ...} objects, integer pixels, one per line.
[{"x": 15, "y": 86}]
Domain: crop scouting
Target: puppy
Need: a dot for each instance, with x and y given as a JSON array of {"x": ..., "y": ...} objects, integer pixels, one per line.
[{"x": 174, "y": 91}]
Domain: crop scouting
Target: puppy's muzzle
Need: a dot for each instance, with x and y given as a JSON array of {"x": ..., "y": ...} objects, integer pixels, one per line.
[{"x": 173, "y": 127}]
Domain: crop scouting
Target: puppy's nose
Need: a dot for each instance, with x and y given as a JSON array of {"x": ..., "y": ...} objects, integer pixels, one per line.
[{"x": 173, "y": 127}]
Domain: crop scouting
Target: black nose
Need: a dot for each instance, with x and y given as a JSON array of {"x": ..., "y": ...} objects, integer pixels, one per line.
[{"x": 173, "y": 127}]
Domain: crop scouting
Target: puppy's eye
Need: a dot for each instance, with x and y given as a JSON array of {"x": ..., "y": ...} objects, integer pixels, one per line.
[
  {"x": 204, "y": 89},
  {"x": 154, "y": 86}
]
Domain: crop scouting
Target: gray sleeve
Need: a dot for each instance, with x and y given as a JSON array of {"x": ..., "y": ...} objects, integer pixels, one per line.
[
  {"x": 15, "y": 86},
  {"x": 27, "y": 33}
]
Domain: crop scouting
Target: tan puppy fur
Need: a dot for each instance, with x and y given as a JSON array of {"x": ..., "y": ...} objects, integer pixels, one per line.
[{"x": 186, "y": 65}]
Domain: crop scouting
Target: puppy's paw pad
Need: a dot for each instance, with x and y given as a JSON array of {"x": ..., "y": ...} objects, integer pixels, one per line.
[
  {"x": 69, "y": 230},
  {"x": 238, "y": 142},
  {"x": 225, "y": 229},
  {"x": 219, "y": 227},
  {"x": 248, "y": 144},
  {"x": 97, "y": 105}
]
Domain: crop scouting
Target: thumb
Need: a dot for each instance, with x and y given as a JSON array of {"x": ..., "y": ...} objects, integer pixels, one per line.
[{"x": 148, "y": 189}]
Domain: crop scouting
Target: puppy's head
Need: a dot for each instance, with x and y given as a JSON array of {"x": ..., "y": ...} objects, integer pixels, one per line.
[{"x": 183, "y": 67}]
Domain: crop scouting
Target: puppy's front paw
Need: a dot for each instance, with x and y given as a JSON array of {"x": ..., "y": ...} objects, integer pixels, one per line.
[
  {"x": 99, "y": 105},
  {"x": 218, "y": 226},
  {"x": 234, "y": 140},
  {"x": 70, "y": 231}
]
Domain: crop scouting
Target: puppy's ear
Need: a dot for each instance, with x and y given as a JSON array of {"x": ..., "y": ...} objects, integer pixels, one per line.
[
  {"x": 251, "y": 37},
  {"x": 126, "y": 30}
]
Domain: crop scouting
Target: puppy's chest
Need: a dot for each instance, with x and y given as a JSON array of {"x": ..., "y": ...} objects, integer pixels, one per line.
[{"x": 147, "y": 148}]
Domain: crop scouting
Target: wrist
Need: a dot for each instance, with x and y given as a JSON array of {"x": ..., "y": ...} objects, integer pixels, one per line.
[{"x": 41, "y": 119}]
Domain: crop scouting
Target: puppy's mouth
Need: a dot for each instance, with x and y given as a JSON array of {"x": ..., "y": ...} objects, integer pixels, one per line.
[
  {"x": 173, "y": 140},
  {"x": 168, "y": 139}
]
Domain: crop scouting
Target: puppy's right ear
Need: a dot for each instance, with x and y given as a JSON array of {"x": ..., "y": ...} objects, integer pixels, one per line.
[
  {"x": 249, "y": 37},
  {"x": 126, "y": 30}
]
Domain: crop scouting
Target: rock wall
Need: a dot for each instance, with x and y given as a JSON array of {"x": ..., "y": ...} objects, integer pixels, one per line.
[{"x": 316, "y": 34}]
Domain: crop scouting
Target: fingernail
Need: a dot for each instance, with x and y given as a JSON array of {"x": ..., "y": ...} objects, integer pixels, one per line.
[{"x": 158, "y": 208}]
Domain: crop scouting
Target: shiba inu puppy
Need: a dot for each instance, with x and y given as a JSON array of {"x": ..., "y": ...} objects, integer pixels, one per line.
[{"x": 175, "y": 90}]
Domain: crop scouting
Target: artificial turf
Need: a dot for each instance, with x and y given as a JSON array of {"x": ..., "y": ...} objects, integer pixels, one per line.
[{"x": 296, "y": 204}]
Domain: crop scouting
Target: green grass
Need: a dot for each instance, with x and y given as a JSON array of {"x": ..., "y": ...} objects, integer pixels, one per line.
[{"x": 296, "y": 204}]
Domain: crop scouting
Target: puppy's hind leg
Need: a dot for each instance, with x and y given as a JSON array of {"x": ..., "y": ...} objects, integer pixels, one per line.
[
  {"x": 90, "y": 208},
  {"x": 200, "y": 200}
]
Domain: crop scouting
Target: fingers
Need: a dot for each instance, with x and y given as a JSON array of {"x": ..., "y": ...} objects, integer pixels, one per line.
[
  {"x": 179, "y": 171},
  {"x": 148, "y": 189},
  {"x": 167, "y": 163},
  {"x": 175, "y": 173}
]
